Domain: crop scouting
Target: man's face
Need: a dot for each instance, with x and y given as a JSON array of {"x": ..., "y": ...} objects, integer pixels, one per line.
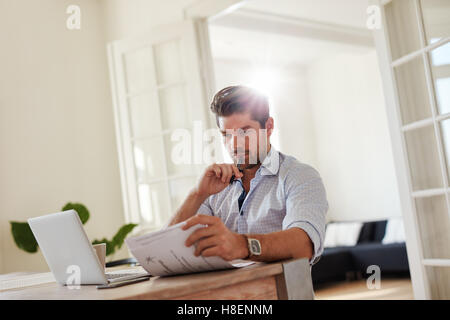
[{"x": 244, "y": 138}]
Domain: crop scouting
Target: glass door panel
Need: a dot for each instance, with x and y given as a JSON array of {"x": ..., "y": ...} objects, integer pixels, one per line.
[
  {"x": 149, "y": 160},
  {"x": 412, "y": 89},
  {"x": 174, "y": 108},
  {"x": 439, "y": 280},
  {"x": 168, "y": 62},
  {"x": 445, "y": 136},
  {"x": 139, "y": 70},
  {"x": 176, "y": 163},
  {"x": 401, "y": 19},
  {"x": 436, "y": 20},
  {"x": 144, "y": 114},
  {"x": 442, "y": 87},
  {"x": 433, "y": 219},
  {"x": 440, "y": 66},
  {"x": 154, "y": 202},
  {"x": 423, "y": 158}
]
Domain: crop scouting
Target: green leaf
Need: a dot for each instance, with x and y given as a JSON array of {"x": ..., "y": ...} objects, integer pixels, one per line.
[
  {"x": 82, "y": 211},
  {"x": 118, "y": 239},
  {"x": 23, "y": 236},
  {"x": 122, "y": 234}
]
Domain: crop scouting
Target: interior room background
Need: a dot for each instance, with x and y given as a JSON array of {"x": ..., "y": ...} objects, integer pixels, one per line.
[{"x": 58, "y": 137}]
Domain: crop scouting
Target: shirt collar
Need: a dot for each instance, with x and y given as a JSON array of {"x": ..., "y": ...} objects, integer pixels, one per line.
[{"x": 271, "y": 162}]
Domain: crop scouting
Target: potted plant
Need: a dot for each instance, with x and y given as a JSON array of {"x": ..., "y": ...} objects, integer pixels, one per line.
[{"x": 24, "y": 238}]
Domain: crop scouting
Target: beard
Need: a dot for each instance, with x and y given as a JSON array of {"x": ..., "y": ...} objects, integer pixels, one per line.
[
  {"x": 246, "y": 162},
  {"x": 244, "y": 166}
]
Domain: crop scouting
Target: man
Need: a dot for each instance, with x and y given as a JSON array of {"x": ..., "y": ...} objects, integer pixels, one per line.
[{"x": 266, "y": 206}]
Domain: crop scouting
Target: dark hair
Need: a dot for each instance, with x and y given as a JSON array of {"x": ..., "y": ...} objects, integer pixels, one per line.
[{"x": 240, "y": 99}]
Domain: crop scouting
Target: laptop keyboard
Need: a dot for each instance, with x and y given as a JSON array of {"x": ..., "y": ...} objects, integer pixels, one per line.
[
  {"x": 132, "y": 272},
  {"x": 110, "y": 276}
]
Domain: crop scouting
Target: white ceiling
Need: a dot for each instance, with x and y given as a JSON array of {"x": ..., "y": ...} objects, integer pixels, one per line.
[
  {"x": 268, "y": 48},
  {"x": 259, "y": 47},
  {"x": 342, "y": 12}
]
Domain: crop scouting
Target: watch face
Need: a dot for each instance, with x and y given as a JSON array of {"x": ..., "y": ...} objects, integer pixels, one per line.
[{"x": 255, "y": 247}]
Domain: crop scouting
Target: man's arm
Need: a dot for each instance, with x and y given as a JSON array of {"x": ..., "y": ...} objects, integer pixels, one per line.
[
  {"x": 189, "y": 207},
  {"x": 214, "y": 180},
  {"x": 217, "y": 240},
  {"x": 291, "y": 243}
]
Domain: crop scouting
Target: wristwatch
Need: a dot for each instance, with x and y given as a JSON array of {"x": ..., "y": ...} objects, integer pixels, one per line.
[{"x": 254, "y": 246}]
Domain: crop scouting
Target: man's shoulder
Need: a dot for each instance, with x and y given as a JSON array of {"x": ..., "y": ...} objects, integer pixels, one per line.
[{"x": 291, "y": 169}]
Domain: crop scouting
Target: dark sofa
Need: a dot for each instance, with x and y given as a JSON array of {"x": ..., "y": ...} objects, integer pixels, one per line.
[{"x": 344, "y": 263}]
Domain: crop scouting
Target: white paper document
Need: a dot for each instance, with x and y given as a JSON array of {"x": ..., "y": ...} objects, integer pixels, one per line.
[{"x": 164, "y": 253}]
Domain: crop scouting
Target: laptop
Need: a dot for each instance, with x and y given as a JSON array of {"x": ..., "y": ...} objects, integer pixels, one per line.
[{"x": 66, "y": 248}]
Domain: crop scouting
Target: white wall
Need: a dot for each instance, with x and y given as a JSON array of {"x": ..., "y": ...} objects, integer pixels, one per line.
[
  {"x": 353, "y": 147},
  {"x": 57, "y": 136}
]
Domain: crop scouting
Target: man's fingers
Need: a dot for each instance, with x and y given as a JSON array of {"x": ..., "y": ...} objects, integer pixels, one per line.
[
  {"x": 200, "y": 233},
  {"x": 211, "y": 252},
  {"x": 206, "y": 243},
  {"x": 217, "y": 170},
  {"x": 226, "y": 172},
  {"x": 229, "y": 174},
  {"x": 200, "y": 219},
  {"x": 236, "y": 171}
]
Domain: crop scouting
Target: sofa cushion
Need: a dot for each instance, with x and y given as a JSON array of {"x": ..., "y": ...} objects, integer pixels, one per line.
[
  {"x": 367, "y": 232},
  {"x": 395, "y": 231},
  {"x": 332, "y": 265},
  {"x": 389, "y": 257},
  {"x": 379, "y": 230},
  {"x": 342, "y": 234}
]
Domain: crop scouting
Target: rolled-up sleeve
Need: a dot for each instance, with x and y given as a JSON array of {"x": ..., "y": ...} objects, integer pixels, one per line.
[
  {"x": 306, "y": 207},
  {"x": 205, "y": 208}
]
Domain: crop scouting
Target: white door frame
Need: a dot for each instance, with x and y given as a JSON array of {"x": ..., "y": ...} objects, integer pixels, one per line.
[{"x": 412, "y": 234}]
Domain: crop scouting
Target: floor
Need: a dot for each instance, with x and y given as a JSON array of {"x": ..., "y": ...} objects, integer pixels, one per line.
[{"x": 391, "y": 289}]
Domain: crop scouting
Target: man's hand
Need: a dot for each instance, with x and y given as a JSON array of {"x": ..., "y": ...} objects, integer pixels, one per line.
[
  {"x": 216, "y": 178},
  {"x": 215, "y": 239}
]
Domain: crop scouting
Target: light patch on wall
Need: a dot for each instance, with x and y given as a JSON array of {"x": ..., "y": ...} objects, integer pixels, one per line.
[{"x": 265, "y": 80}]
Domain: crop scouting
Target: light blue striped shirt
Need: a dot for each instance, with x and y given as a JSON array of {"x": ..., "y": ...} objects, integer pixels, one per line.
[{"x": 284, "y": 193}]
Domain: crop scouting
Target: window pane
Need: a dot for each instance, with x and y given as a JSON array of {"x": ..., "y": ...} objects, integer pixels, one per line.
[
  {"x": 148, "y": 159},
  {"x": 144, "y": 113},
  {"x": 445, "y": 135},
  {"x": 440, "y": 64},
  {"x": 441, "y": 56},
  {"x": 423, "y": 158},
  {"x": 154, "y": 203},
  {"x": 179, "y": 190},
  {"x": 403, "y": 27},
  {"x": 436, "y": 20},
  {"x": 139, "y": 71},
  {"x": 167, "y": 62},
  {"x": 412, "y": 91},
  {"x": 174, "y": 108},
  {"x": 433, "y": 220},
  {"x": 179, "y": 155}
]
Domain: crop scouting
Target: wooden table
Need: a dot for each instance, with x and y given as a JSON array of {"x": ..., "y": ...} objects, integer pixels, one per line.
[{"x": 266, "y": 281}]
